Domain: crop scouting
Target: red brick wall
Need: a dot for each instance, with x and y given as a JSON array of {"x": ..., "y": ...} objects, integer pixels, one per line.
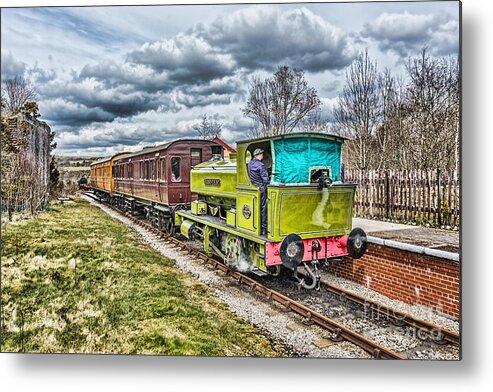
[{"x": 400, "y": 275}]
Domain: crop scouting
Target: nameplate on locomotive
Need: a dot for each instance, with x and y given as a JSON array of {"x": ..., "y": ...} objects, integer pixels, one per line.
[{"x": 212, "y": 182}]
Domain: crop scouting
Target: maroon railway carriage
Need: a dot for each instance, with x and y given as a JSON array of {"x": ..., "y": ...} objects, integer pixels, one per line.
[{"x": 156, "y": 180}]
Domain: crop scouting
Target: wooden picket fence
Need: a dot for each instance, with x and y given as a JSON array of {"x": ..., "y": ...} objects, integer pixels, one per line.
[{"x": 410, "y": 196}]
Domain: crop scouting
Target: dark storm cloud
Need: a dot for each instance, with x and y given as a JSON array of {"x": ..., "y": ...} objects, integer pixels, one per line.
[
  {"x": 223, "y": 86},
  {"x": 192, "y": 100},
  {"x": 127, "y": 137},
  {"x": 61, "y": 112},
  {"x": 41, "y": 76},
  {"x": 264, "y": 37},
  {"x": 10, "y": 66},
  {"x": 185, "y": 58},
  {"x": 406, "y": 34},
  {"x": 121, "y": 104},
  {"x": 98, "y": 102},
  {"x": 96, "y": 137},
  {"x": 140, "y": 77},
  {"x": 218, "y": 91}
]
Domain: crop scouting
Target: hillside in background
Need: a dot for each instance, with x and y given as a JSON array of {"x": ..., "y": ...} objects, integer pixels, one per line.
[{"x": 72, "y": 169}]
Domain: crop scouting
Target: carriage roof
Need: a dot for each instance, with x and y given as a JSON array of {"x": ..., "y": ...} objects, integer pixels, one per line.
[
  {"x": 296, "y": 134},
  {"x": 166, "y": 146}
]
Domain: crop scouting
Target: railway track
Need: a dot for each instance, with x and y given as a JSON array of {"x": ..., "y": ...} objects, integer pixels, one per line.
[
  {"x": 436, "y": 333},
  {"x": 411, "y": 337},
  {"x": 339, "y": 332}
]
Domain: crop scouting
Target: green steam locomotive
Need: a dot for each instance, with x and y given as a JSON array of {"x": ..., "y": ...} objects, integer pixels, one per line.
[{"x": 309, "y": 208}]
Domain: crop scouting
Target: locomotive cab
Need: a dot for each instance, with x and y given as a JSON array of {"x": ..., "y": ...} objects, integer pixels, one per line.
[{"x": 300, "y": 166}]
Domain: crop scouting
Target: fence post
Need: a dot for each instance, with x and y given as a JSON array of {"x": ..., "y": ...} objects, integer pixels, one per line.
[
  {"x": 438, "y": 199},
  {"x": 387, "y": 201}
]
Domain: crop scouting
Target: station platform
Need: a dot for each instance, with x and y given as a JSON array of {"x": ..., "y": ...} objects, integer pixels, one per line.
[
  {"x": 413, "y": 264},
  {"x": 437, "y": 239}
]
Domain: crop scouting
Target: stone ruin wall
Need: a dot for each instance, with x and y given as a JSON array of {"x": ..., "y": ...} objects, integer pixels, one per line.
[{"x": 32, "y": 139}]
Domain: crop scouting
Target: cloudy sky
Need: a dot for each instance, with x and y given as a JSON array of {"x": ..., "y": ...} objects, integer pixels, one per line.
[{"x": 118, "y": 78}]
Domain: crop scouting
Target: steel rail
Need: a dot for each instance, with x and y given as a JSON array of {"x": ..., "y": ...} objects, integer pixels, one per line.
[{"x": 340, "y": 332}]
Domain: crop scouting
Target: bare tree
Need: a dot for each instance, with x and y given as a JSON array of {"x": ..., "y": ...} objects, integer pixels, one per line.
[
  {"x": 392, "y": 125},
  {"x": 277, "y": 105},
  {"x": 389, "y": 135},
  {"x": 208, "y": 128},
  {"x": 3, "y": 101},
  {"x": 314, "y": 122},
  {"x": 433, "y": 108},
  {"x": 16, "y": 93},
  {"x": 358, "y": 109}
]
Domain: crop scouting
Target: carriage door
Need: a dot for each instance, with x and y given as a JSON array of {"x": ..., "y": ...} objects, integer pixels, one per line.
[{"x": 195, "y": 156}]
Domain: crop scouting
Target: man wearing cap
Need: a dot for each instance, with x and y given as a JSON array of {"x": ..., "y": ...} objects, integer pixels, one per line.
[{"x": 259, "y": 177}]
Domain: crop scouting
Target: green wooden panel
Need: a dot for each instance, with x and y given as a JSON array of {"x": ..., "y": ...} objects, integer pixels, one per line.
[
  {"x": 247, "y": 211},
  {"x": 243, "y": 178},
  {"x": 311, "y": 212},
  {"x": 217, "y": 178}
]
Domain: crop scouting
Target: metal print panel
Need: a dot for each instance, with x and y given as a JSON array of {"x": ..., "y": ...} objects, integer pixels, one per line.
[{"x": 261, "y": 180}]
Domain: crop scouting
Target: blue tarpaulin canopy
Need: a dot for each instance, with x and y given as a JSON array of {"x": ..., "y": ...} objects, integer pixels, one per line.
[{"x": 296, "y": 157}]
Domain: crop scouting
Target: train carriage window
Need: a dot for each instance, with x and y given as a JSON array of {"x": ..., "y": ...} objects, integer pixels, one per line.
[
  {"x": 147, "y": 170},
  {"x": 153, "y": 169},
  {"x": 175, "y": 169},
  {"x": 217, "y": 151},
  {"x": 163, "y": 169}
]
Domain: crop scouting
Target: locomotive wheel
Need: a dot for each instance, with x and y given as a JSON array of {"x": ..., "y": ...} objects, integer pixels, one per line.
[
  {"x": 169, "y": 226},
  {"x": 232, "y": 250}
]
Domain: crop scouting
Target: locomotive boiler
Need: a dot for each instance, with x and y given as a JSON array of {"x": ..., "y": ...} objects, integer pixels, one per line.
[{"x": 309, "y": 208}]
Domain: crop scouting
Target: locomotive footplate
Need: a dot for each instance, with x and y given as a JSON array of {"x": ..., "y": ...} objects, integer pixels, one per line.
[{"x": 221, "y": 225}]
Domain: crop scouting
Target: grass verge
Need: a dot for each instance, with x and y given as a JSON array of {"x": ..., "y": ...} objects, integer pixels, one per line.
[{"x": 76, "y": 281}]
